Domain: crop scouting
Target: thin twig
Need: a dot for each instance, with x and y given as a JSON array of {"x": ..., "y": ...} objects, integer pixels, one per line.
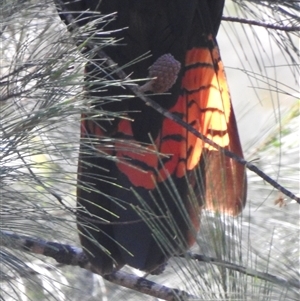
[
  {"x": 243, "y": 270},
  {"x": 148, "y": 101},
  {"x": 261, "y": 24}
]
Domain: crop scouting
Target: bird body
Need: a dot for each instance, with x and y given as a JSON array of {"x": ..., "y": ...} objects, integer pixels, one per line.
[{"x": 142, "y": 178}]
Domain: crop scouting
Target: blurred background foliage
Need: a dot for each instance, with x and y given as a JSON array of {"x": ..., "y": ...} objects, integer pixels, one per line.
[{"x": 41, "y": 84}]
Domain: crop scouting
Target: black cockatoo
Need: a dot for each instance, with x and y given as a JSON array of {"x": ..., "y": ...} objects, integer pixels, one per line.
[{"x": 142, "y": 178}]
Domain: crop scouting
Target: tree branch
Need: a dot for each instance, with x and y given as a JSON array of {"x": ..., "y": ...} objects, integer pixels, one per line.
[
  {"x": 71, "y": 255},
  {"x": 261, "y": 24}
]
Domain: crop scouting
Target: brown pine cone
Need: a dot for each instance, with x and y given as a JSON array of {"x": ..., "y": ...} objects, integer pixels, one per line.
[{"x": 164, "y": 72}]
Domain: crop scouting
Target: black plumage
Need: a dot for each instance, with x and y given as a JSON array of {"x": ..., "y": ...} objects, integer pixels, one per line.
[{"x": 112, "y": 232}]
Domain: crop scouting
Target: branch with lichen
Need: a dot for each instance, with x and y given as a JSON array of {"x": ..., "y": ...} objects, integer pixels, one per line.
[{"x": 72, "y": 255}]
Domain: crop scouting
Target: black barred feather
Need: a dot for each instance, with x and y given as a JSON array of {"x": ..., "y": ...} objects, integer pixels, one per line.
[{"x": 124, "y": 196}]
